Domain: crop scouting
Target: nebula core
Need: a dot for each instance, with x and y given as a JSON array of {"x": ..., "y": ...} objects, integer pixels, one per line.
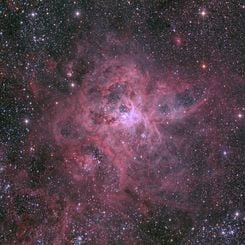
[{"x": 121, "y": 123}]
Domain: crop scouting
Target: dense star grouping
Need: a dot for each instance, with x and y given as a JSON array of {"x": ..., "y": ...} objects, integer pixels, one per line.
[{"x": 122, "y": 122}]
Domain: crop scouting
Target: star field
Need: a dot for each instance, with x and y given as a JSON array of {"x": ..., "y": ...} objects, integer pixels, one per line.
[{"x": 122, "y": 122}]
